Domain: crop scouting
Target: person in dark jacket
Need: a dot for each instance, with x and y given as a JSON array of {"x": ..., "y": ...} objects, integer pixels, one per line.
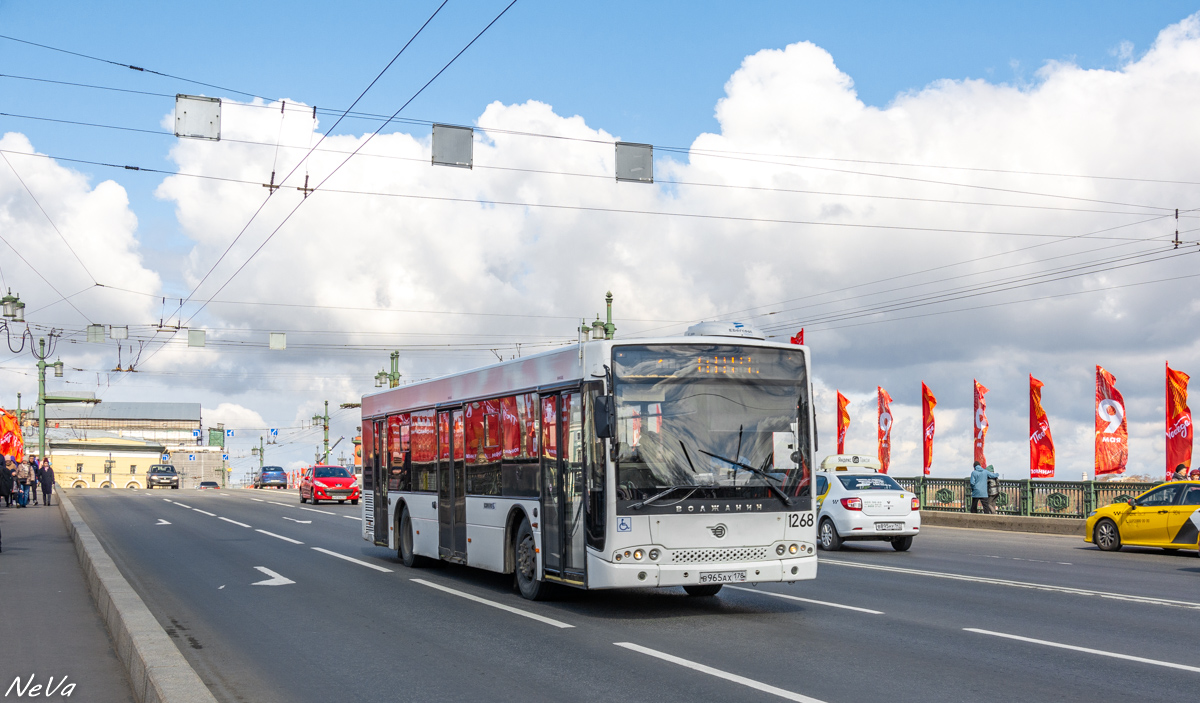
[
  {"x": 47, "y": 481},
  {"x": 37, "y": 479},
  {"x": 6, "y": 481},
  {"x": 979, "y": 490}
]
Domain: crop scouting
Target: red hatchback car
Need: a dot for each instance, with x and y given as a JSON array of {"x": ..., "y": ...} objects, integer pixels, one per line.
[{"x": 322, "y": 482}]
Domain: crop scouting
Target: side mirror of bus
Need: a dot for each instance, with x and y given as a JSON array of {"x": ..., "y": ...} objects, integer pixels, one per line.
[{"x": 603, "y": 418}]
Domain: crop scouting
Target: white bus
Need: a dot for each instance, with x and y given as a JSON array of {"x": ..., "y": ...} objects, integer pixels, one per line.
[{"x": 682, "y": 461}]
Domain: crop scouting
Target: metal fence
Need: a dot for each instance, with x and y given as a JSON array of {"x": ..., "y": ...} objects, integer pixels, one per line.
[{"x": 1027, "y": 497}]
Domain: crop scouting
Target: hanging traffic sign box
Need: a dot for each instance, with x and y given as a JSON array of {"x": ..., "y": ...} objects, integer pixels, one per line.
[{"x": 197, "y": 117}]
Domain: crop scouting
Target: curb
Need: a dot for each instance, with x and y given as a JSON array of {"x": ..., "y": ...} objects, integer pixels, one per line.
[
  {"x": 1073, "y": 527},
  {"x": 157, "y": 671}
]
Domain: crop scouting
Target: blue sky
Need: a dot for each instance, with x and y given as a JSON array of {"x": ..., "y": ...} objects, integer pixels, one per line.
[{"x": 649, "y": 72}]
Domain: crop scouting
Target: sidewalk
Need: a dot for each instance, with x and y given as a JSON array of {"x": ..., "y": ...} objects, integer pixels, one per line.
[{"x": 49, "y": 625}]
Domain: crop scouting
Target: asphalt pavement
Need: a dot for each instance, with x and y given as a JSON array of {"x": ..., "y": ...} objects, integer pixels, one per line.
[{"x": 271, "y": 600}]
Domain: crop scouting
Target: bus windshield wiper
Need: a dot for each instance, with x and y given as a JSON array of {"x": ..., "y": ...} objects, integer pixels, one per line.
[
  {"x": 662, "y": 494},
  {"x": 757, "y": 472}
]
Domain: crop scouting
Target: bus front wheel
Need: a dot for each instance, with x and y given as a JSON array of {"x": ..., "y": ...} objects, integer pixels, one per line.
[
  {"x": 405, "y": 538},
  {"x": 525, "y": 561},
  {"x": 706, "y": 590}
]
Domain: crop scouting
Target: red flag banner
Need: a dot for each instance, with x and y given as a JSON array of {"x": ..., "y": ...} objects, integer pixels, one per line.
[
  {"x": 1041, "y": 444},
  {"x": 1112, "y": 431},
  {"x": 1179, "y": 422},
  {"x": 981, "y": 423},
  {"x": 928, "y": 403},
  {"x": 885, "y": 429},
  {"x": 843, "y": 421},
  {"x": 11, "y": 442},
  {"x": 799, "y": 338}
]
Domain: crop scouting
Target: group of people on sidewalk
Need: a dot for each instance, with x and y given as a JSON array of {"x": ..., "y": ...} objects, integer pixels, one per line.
[{"x": 20, "y": 481}]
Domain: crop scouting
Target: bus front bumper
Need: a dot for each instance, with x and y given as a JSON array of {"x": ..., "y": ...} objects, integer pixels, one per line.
[{"x": 603, "y": 574}]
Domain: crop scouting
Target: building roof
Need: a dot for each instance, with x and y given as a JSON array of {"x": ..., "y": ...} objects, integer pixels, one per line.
[{"x": 124, "y": 411}]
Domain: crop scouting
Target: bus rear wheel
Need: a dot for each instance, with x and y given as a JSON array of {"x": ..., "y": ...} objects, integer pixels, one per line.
[
  {"x": 710, "y": 589},
  {"x": 525, "y": 563}
]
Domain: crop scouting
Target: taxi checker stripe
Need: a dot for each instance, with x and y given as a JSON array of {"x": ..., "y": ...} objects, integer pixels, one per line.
[{"x": 1020, "y": 584}]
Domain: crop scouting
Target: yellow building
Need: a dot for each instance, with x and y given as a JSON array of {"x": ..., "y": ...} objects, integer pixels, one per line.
[{"x": 103, "y": 462}]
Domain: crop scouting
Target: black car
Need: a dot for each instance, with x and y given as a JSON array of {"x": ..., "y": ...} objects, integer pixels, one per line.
[{"x": 161, "y": 476}]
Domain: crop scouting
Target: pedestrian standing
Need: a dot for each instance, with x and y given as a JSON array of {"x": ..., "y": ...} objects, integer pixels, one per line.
[
  {"x": 37, "y": 478},
  {"x": 47, "y": 481},
  {"x": 24, "y": 478},
  {"x": 1180, "y": 473},
  {"x": 979, "y": 488},
  {"x": 6, "y": 481}
]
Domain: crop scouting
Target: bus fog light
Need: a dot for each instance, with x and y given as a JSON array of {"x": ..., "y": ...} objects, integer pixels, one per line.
[
  {"x": 618, "y": 557},
  {"x": 779, "y": 550},
  {"x": 641, "y": 576},
  {"x": 793, "y": 549},
  {"x": 627, "y": 555},
  {"x": 795, "y": 569},
  {"x": 653, "y": 555},
  {"x": 638, "y": 554}
]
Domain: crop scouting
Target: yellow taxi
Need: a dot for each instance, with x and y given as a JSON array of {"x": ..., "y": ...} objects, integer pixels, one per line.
[{"x": 1166, "y": 516}]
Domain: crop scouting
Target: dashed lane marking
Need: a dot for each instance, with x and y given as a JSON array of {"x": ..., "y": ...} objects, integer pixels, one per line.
[
  {"x": 1086, "y": 650},
  {"x": 314, "y": 510},
  {"x": 182, "y": 505},
  {"x": 1019, "y": 584},
  {"x": 807, "y": 600},
  {"x": 351, "y": 517},
  {"x": 360, "y": 562},
  {"x": 749, "y": 683},
  {"x": 283, "y": 504},
  {"x": 239, "y": 524},
  {"x": 285, "y": 539},
  {"x": 204, "y": 512},
  {"x": 494, "y": 604},
  {"x": 258, "y": 500}
]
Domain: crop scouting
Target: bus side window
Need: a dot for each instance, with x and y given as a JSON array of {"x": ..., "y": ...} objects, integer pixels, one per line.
[
  {"x": 423, "y": 437},
  {"x": 518, "y": 446},
  {"x": 595, "y": 467},
  {"x": 368, "y": 456},
  {"x": 398, "y": 479}
]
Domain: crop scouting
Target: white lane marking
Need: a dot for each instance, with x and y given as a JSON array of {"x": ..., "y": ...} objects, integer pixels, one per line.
[
  {"x": 1035, "y": 561},
  {"x": 750, "y": 683},
  {"x": 221, "y": 587},
  {"x": 162, "y": 522},
  {"x": 351, "y": 517},
  {"x": 314, "y": 510},
  {"x": 356, "y": 561},
  {"x": 807, "y": 600},
  {"x": 166, "y": 499},
  {"x": 302, "y": 522},
  {"x": 494, "y": 604},
  {"x": 283, "y": 504},
  {"x": 182, "y": 505},
  {"x": 275, "y": 580},
  {"x": 239, "y": 524},
  {"x": 204, "y": 512},
  {"x": 1087, "y": 650},
  {"x": 1020, "y": 584},
  {"x": 258, "y": 500},
  {"x": 285, "y": 539}
]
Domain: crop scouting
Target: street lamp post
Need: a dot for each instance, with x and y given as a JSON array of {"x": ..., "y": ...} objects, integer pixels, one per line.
[
  {"x": 392, "y": 379},
  {"x": 323, "y": 420}
]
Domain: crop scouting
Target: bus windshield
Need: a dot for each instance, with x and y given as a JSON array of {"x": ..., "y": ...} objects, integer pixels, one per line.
[{"x": 716, "y": 421}]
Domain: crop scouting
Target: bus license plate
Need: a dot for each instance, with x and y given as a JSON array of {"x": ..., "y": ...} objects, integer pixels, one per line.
[
  {"x": 722, "y": 576},
  {"x": 882, "y": 526}
]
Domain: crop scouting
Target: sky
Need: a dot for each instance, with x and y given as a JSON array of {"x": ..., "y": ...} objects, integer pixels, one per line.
[{"x": 1088, "y": 91}]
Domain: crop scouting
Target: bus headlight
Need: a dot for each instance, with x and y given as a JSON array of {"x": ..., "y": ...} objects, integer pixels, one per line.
[
  {"x": 793, "y": 549},
  {"x": 780, "y": 549},
  {"x": 638, "y": 554}
]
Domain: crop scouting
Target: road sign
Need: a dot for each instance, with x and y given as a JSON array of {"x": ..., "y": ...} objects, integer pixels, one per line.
[
  {"x": 224, "y": 457},
  {"x": 191, "y": 457},
  {"x": 196, "y": 434},
  {"x": 228, "y": 433},
  {"x": 274, "y": 432},
  {"x": 166, "y": 458}
]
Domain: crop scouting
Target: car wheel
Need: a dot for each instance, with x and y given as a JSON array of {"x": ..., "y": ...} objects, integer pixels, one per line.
[
  {"x": 404, "y": 548},
  {"x": 828, "y": 536},
  {"x": 354, "y": 502},
  {"x": 176, "y": 486},
  {"x": 303, "y": 499},
  {"x": 1106, "y": 535},
  {"x": 708, "y": 589},
  {"x": 314, "y": 500},
  {"x": 525, "y": 561},
  {"x": 901, "y": 544},
  {"x": 149, "y": 488}
]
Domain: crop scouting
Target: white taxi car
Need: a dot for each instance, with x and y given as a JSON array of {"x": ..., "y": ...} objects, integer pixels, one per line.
[{"x": 857, "y": 502}]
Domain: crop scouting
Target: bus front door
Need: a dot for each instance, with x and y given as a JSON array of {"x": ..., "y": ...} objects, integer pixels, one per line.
[
  {"x": 564, "y": 551},
  {"x": 452, "y": 484},
  {"x": 379, "y": 471}
]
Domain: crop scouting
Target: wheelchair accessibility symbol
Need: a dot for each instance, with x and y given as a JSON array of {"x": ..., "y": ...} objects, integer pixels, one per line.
[{"x": 624, "y": 524}]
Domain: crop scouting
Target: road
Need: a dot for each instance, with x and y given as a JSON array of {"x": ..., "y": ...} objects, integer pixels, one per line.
[{"x": 966, "y": 615}]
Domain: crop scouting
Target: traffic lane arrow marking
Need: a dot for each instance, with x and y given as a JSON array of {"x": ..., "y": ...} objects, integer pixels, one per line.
[
  {"x": 162, "y": 522},
  {"x": 302, "y": 522},
  {"x": 275, "y": 580}
]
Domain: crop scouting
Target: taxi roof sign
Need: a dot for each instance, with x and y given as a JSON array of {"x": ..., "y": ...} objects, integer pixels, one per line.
[{"x": 844, "y": 462}]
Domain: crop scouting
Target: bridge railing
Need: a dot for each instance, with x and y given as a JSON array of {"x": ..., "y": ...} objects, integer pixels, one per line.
[{"x": 1025, "y": 497}]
